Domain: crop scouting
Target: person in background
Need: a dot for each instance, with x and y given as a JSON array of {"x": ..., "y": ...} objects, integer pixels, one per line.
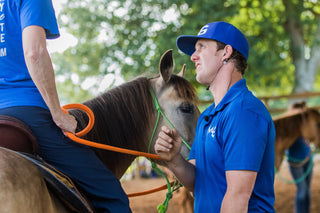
[
  {"x": 28, "y": 93},
  {"x": 231, "y": 163},
  {"x": 300, "y": 166}
]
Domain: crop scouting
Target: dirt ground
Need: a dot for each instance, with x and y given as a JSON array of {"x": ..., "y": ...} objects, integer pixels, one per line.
[{"x": 284, "y": 193}]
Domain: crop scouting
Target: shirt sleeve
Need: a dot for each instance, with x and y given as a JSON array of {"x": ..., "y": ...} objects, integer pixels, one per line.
[
  {"x": 245, "y": 138},
  {"x": 40, "y": 13},
  {"x": 192, "y": 154}
]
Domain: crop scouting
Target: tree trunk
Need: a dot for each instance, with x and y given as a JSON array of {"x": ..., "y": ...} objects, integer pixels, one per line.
[{"x": 305, "y": 54}]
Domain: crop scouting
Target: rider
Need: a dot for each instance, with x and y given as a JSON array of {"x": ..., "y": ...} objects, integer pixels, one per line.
[{"x": 28, "y": 92}]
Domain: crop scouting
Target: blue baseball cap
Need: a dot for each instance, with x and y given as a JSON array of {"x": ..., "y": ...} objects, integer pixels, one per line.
[{"x": 219, "y": 31}]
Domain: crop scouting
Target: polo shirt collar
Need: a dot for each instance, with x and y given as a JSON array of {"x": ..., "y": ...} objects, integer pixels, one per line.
[{"x": 238, "y": 88}]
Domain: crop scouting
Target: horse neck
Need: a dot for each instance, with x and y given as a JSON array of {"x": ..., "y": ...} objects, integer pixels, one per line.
[
  {"x": 124, "y": 118},
  {"x": 288, "y": 129}
]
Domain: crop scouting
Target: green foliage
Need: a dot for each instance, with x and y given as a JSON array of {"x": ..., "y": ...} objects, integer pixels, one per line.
[{"x": 129, "y": 36}]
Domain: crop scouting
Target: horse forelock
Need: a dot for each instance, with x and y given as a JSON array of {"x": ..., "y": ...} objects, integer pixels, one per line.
[{"x": 184, "y": 89}]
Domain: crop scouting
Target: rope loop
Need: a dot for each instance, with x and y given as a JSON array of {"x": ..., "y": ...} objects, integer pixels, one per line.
[
  {"x": 89, "y": 114},
  {"x": 296, "y": 181}
]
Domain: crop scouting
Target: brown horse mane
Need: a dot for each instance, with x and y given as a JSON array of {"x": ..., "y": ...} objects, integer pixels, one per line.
[
  {"x": 123, "y": 115},
  {"x": 118, "y": 113}
]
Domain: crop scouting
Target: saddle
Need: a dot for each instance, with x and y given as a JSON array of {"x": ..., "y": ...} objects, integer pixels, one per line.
[{"x": 17, "y": 136}]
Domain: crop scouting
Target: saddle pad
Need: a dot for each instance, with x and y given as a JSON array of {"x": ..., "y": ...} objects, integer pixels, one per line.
[{"x": 61, "y": 184}]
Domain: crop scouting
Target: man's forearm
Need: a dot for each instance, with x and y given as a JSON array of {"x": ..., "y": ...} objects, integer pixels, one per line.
[
  {"x": 184, "y": 171},
  {"x": 234, "y": 204}
]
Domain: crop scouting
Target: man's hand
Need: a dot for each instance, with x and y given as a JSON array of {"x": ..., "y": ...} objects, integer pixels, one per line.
[{"x": 168, "y": 144}]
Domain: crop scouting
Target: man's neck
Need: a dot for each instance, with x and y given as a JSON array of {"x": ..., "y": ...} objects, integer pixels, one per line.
[{"x": 222, "y": 83}]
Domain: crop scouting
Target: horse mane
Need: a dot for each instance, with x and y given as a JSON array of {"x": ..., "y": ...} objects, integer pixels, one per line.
[{"x": 118, "y": 114}]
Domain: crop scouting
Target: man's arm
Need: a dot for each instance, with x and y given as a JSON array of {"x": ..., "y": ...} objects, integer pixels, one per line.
[
  {"x": 41, "y": 71},
  {"x": 239, "y": 189},
  {"x": 168, "y": 146}
]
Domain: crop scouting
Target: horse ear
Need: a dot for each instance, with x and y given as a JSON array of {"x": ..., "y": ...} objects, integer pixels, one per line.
[
  {"x": 181, "y": 73},
  {"x": 166, "y": 65}
]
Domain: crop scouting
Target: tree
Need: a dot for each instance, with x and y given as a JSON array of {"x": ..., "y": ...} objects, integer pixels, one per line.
[
  {"x": 128, "y": 37},
  {"x": 303, "y": 27}
]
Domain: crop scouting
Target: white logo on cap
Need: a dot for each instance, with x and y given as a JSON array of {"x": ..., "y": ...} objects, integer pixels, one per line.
[{"x": 203, "y": 30}]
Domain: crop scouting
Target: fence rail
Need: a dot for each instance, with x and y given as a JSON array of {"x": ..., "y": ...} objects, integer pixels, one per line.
[{"x": 266, "y": 100}]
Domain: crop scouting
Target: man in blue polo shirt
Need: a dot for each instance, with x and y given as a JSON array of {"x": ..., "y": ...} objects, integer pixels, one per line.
[
  {"x": 231, "y": 163},
  {"x": 28, "y": 92}
]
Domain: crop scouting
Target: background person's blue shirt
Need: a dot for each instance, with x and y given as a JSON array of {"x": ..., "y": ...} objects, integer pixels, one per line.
[
  {"x": 17, "y": 87},
  {"x": 299, "y": 151},
  {"x": 238, "y": 134}
]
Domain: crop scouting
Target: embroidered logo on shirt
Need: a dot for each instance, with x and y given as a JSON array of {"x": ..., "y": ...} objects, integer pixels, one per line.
[{"x": 212, "y": 130}]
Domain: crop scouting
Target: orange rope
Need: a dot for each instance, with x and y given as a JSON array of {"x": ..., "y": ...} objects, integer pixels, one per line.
[
  {"x": 149, "y": 191},
  {"x": 98, "y": 145},
  {"x": 111, "y": 148},
  {"x": 89, "y": 113}
]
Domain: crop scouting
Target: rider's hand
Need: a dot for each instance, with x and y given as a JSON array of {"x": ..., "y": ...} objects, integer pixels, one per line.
[
  {"x": 65, "y": 121},
  {"x": 168, "y": 144}
]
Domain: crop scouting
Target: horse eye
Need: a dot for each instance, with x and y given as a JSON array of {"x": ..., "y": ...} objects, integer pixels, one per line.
[{"x": 186, "y": 108}]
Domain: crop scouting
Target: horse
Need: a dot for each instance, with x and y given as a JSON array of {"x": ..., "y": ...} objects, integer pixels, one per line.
[
  {"x": 299, "y": 122},
  {"x": 186, "y": 201},
  {"x": 125, "y": 117}
]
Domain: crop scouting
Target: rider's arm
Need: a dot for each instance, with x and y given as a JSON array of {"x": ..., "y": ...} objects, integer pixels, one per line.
[
  {"x": 168, "y": 146},
  {"x": 41, "y": 71}
]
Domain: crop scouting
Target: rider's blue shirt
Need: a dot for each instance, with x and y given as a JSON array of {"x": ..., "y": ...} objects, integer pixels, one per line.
[
  {"x": 238, "y": 134},
  {"x": 17, "y": 88}
]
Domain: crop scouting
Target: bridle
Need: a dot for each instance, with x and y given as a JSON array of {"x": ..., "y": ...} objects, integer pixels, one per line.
[{"x": 158, "y": 108}]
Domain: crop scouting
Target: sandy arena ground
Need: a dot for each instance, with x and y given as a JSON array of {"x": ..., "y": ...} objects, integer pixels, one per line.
[{"x": 284, "y": 193}]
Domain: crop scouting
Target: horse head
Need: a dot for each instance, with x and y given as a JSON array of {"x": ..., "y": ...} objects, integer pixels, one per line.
[
  {"x": 311, "y": 126},
  {"x": 178, "y": 101}
]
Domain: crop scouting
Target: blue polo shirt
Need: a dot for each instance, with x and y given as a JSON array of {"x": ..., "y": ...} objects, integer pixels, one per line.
[
  {"x": 238, "y": 134},
  {"x": 16, "y": 85}
]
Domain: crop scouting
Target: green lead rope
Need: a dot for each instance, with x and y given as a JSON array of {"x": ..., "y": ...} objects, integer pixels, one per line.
[
  {"x": 158, "y": 118},
  {"x": 162, "y": 208},
  {"x": 295, "y": 181}
]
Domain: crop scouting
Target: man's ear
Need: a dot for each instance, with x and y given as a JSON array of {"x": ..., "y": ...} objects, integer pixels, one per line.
[{"x": 227, "y": 52}]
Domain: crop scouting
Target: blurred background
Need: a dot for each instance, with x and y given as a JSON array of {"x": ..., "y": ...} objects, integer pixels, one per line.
[{"x": 105, "y": 43}]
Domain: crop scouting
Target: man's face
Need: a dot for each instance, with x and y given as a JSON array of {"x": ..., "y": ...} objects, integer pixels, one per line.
[{"x": 207, "y": 60}]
